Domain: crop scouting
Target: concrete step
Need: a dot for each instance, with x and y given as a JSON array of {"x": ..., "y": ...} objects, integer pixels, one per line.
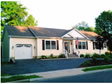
[{"x": 73, "y": 56}]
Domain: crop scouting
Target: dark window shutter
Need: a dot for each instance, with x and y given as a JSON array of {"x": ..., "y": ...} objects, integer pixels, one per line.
[
  {"x": 43, "y": 44},
  {"x": 86, "y": 45},
  {"x": 93, "y": 45},
  {"x": 57, "y": 45}
]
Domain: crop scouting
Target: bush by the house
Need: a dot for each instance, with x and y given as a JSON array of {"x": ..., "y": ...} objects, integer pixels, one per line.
[
  {"x": 96, "y": 55},
  {"x": 102, "y": 55},
  {"x": 51, "y": 56},
  {"x": 94, "y": 58},
  {"x": 106, "y": 53},
  {"x": 61, "y": 56},
  {"x": 87, "y": 56},
  {"x": 43, "y": 57},
  {"x": 106, "y": 58},
  {"x": 82, "y": 55}
]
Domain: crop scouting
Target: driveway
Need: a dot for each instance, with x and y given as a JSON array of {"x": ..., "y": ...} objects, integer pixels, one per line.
[{"x": 34, "y": 65}]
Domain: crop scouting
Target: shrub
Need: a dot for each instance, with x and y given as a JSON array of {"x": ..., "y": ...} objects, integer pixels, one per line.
[
  {"x": 111, "y": 56},
  {"x": 86, "y": 63},
  {"x": 96, "y": 55},
  {"x": 51, "y": 56},
  {"x": 94, "y": 58},
  {"x": 106, "y": 53},
  {"x": 102, "y": 55},
  {"x": 43, "y": 57},
  {"x": 61, "y": 56},
  {"x": 87, "y": 56},
  {"x": 82, "y": 55},
  {"x": 106, "y": 58}
]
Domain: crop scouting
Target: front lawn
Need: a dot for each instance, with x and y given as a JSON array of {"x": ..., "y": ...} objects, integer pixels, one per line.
[
  {"x": 14, "y": 78},
  {"x": 98, "y": 68}
]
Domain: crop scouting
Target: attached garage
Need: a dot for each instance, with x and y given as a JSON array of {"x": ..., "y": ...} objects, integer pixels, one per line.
[{"x": 23, "y": 51}]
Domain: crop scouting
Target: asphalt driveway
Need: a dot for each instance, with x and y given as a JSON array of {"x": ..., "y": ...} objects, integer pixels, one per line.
[{"x": 34, "y": 65}]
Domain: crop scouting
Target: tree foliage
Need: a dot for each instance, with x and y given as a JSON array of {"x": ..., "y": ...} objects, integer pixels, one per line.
[
  {"x": 84, "y": 26},
  {"x": 104, "y": 27},
  {"x": 30, "y": 21},
  {"x": 14, "y": 13}
]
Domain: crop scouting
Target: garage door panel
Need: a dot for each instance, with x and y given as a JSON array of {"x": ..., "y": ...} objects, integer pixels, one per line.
[{"x": 23, "y": 52}]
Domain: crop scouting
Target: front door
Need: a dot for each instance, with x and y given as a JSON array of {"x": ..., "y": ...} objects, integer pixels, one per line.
[{"x": 67, "y": 46}]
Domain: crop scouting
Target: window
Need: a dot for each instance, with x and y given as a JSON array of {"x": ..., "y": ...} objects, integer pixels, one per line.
[
  {"x": 79, "y": 46},
  {"x": 50, "y": 44},
  {"x": 82, "y": 45},
  {"x": 53, "y": 44},
  {"x": 97, "y": 45},
  {"x": 47, "y": 44}
]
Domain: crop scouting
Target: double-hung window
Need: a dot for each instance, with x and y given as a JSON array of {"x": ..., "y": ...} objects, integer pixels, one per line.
[
  {"x": 50, "y": 44},
  {"x": 53, "y": 44},
  {"x": 47, "y": 44},
  {"x": 82, "y": 45}
]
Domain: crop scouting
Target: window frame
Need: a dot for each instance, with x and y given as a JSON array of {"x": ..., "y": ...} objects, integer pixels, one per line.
[
  {"x": 46, "y": 46},
  {"x": 85, "y": 44},
  {"x": 95, "y": 44},
  {"x": 51, "y": 45}
]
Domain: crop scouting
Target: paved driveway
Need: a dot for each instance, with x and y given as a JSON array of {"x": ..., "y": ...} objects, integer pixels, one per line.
[{"x": 33, "y": 66}]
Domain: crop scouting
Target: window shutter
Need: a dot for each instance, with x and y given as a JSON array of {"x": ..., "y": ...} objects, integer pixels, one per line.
[
  {"x": 93, "y": 45},
  {"x": 86, "y": 45},
  {"x": 43, "y": 44},
  {"x": 57, "y": 45}
]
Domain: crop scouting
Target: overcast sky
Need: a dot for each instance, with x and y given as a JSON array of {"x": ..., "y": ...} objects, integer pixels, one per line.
[{"x": 66, "y": 13}]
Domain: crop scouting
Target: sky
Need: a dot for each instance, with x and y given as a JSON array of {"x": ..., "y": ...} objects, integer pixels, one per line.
[{"x": 65, "y": 14}]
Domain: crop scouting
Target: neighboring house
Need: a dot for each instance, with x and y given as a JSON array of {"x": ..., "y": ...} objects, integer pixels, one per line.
[{"x": 28, "y": 42}]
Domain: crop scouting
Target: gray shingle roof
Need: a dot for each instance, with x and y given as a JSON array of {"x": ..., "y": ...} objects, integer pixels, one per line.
[{"x": 35, "y": 31}]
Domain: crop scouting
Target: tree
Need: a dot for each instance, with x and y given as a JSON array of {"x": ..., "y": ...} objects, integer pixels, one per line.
[
  {"x": 30, "y": 21},
  {"x": 84, "y": 26},
  {"x": 104, "y": 27},
  {"x": 14, "y": 13}
]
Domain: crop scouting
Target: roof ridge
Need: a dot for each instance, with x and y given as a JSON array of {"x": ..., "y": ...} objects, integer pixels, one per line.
[{"x": 50, "y": 28}]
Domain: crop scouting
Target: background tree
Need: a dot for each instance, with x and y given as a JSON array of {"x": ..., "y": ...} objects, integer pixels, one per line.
[
  {"x": 14, "y": 13},
  {"x": 83, "y": 26},
  {"x": 104, "y": 27},
  {"x": 30, "y": 21}
]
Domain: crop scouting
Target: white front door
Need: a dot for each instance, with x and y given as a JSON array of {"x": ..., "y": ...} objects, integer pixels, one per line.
[{"x": 23, "y": 51}]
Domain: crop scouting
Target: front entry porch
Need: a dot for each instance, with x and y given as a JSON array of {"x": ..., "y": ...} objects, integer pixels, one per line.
[{"x": 69, "y": 49}]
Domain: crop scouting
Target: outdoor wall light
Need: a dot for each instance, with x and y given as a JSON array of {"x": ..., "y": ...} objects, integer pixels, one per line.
[
  {"x": 12, "y": 47},
  {"x": 34, "y": 47}
]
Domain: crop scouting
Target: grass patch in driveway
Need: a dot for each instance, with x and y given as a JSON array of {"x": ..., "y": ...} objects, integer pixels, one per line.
[
  {"x": 4, "y": 74},
  {"x": 14, "y": 78},
  {"x": 98, "y": 68}
]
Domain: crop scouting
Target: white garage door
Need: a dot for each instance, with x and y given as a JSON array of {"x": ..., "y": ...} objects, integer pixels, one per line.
[{"x": 23, "y": 51}]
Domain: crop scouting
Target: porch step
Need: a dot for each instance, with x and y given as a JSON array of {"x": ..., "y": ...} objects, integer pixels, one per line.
[{"x": 73, "y": 56}]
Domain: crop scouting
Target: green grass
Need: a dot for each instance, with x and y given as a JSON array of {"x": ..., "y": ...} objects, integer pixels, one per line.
[
  {"x": 14, "y": 78},
  {"x": 98, "y": 68},
  {"x": 4, "y": 74}
]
